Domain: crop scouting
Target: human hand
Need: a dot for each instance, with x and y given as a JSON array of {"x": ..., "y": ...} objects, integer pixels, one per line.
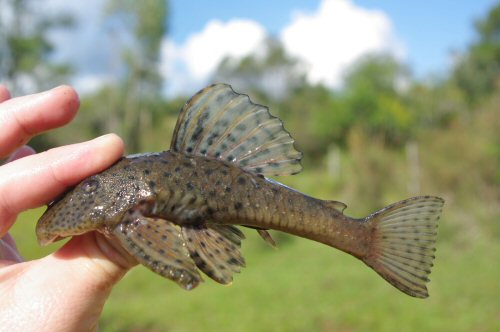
[{"x": 64, "y": 291}]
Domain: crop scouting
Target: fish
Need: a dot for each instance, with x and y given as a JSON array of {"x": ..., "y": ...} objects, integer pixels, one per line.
[{"x": 178, "y": 212}]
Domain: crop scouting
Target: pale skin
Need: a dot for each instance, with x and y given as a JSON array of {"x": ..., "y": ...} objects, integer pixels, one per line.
[{"x": 64, "y": 291}]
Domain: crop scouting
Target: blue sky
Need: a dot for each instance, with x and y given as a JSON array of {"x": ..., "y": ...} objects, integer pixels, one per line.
[
  {"x": 429, "y": 30},
  {"x": 328, "y": 36}
]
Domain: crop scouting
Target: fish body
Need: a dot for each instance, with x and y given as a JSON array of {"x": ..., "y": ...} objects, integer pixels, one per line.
[{"x": 176, "y": 211}]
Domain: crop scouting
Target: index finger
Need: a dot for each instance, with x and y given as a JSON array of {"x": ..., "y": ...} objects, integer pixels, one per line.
[
  {"x": 35, "y": 180},
  {"x": 23, "y": 117}
]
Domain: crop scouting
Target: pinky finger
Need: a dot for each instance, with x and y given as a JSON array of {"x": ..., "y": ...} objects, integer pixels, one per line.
[
  {"x": 22, "y": 152},
  {"x": 4, "y": 93}
]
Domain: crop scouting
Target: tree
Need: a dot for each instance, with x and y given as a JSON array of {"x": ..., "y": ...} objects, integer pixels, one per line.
[
  {"x": 372, "y": 96},
  {"x": 477, "y": 72},
  {"x": 269, "y": 72},
  {"x": 25, "y": 49}
]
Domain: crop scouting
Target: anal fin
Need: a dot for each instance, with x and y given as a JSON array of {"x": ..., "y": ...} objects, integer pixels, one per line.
[
  {"x": 158, "y": 244},
  {"x": 215, "y": 250},
  {"x": 265, "y": 235}
]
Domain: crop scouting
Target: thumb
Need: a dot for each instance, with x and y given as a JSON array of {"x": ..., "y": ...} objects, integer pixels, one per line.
[{"x": 69, "y": 288}]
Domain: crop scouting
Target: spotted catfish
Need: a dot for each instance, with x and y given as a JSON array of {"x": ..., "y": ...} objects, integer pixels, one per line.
[{"x": 176, "y": 211}]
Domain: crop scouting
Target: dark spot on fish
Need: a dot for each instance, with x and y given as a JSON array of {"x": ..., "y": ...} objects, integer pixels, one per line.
[
  {"x": 187, "y": 164},
  {"x": 190, "y": 239},
  {"x": 212, "y": 193},
  {"x": 177, "y": 169},
  {"x": 164, "y": 237},
  {"x": 222, "y": 267},
  {"x": 227, "y": 189},
  {"x": 152, "y": 184},
  {"x": 173, "y": 208},
  {"x": 131, "y": 177},
  {"x": 189, "y": 186},
  {"x": 192, "y": 200},
  {"x": 202, "y": 265},
  {"x": 197, "y": 133},
  {"x": 238, "y": 205},
  {"x": 164, "y": 162},
  {"x": 161, "y": 251},
  {"x": 233, "y": 261},
  {"x": 167, "y": 174},
  {"x": 258, "y": 169},
  {"x": 230, "y": 158},
  {"x": 208, "y": 171},
  {"x": 242, "y": 180},
  {"x": 147, "y": 171},
  {"x": 217, "y": 251},
  {"x": 203, "y": 151},
  {"x": 178, "y": 261},
  {"x": 147, "y": 257},
  {"x": 189, "y": 150},
  {"x": 210, "y": 211},
  {"x": 223, "y": 171},
  {"x": 217, "y": 154}
]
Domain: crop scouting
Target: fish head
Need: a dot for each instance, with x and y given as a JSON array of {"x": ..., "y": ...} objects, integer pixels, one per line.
[{"x": 97, "y": 203}]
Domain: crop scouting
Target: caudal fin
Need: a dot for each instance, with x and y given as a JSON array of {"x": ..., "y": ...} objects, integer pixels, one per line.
[{"x": 403, "y": 243}]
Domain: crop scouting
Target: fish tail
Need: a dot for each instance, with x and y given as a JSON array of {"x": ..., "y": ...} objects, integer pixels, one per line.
[{"x": 403, "y": 243}]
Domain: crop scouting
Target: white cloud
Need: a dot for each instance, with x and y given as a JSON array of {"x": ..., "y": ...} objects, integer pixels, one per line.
[
  {"x": 335, "y": 36},
  {"x": 90, "y": 46},
  {"x": 328, "y": 40},
  {"x": 193, "y": 62}
]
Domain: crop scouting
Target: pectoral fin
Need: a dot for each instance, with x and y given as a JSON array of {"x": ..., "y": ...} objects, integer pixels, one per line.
[
  {"x": 215, "y": 250},
  {"x": 158, "y": 244}
]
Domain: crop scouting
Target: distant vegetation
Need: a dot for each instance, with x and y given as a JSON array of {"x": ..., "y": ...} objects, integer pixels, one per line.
[{"x": 383, "y": 136}]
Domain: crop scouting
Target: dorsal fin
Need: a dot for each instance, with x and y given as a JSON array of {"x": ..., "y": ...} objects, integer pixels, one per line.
[
  {"x": 339, "y": 206},
  {"x": 221, "y": 124}
]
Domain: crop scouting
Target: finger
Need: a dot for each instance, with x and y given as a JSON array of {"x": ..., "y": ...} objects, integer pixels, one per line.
[
  {"x": 4, "y": 93},
  {"x": 8, "y": 251},
  {"x": 23, "y": 117},
  {"x": 22, "y": 152},
  {"x": 35, "y": 180}
]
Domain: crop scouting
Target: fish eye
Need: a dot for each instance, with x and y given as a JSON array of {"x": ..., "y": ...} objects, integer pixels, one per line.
[{"x": 89, "y": 186}]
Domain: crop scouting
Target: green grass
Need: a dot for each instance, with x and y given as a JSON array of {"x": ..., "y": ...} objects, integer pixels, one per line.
[{"x": 305, "y": 286}]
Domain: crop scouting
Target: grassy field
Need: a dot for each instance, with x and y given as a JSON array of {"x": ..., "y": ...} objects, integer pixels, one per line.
[{"x": 304, "y": 286}]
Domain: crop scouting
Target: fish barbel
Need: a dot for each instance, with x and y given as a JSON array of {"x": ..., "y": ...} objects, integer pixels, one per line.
[{"x": 176, "y": 211}]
